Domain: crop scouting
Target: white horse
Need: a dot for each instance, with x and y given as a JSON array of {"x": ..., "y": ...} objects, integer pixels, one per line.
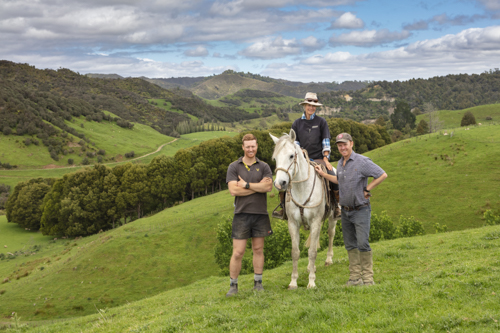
[{"x": 305, "y": 202}]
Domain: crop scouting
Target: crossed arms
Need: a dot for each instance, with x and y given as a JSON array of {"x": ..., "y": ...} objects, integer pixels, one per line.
[{"x": 237, "y": 188}]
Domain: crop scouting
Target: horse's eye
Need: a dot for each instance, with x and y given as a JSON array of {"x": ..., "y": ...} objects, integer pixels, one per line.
[{"x": 291, "y": 156}]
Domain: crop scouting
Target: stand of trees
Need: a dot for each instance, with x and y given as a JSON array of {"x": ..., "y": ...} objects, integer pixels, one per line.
[{"x": 99, "y": 198}]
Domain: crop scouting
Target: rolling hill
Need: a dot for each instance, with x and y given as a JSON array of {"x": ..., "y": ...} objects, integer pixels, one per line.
[
  {"x": 444, "y": 282},
  {"x": 429, "y": 179}
]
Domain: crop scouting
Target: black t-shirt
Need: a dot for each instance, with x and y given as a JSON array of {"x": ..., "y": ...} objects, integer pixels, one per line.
[
  {"x": 255, "y": 203},
  {"x": 310, "y": 134}
]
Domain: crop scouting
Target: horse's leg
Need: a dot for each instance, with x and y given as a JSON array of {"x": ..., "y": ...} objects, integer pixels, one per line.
[
  {"x": 313, "y": 250},
  {"x": 332, "y": 223},
  {"x": 293, "y": 228}
]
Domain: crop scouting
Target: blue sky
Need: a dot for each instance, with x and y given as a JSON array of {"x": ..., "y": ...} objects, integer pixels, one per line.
[{"x": 298, "y": 40}]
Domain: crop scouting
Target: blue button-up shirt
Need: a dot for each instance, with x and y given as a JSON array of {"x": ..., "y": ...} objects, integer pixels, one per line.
[{"x": 353, "y": 178}]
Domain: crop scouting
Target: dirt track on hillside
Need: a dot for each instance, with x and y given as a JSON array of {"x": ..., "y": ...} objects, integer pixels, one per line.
[{"x": 53, "y": 166}]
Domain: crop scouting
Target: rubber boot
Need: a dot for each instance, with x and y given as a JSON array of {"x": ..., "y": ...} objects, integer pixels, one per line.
[
  {"x": 354, "y": 268},
  {"x": 367, "y": 267},
  {"x": 280, "y": 214}
]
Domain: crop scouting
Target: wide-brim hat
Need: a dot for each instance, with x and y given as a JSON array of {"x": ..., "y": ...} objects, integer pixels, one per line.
[
  {"x": 311, "y": 98},
  {"x": 343, "y": 137}
]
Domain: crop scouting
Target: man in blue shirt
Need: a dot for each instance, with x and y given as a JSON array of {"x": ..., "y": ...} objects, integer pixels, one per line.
[{"x": 353, "y": 171}]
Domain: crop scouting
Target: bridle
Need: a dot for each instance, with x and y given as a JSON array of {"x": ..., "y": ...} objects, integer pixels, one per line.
[{"x": 291, "y": 181}]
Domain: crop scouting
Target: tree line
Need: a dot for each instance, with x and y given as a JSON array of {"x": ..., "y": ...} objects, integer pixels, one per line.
[{"x": 100, "y": 198}]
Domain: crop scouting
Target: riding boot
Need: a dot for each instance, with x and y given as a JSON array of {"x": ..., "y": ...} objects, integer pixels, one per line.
[
  {"x": 366, "y": 259},
  {"x": 354, "y": 268},
  {"x": 280, "y": 214},
  {"x": 336, "y": 212}
]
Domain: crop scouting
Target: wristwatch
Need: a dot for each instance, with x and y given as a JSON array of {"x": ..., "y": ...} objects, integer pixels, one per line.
[
  {"x": 247, "y": 185},
  {"x": 364, "y": 189}
]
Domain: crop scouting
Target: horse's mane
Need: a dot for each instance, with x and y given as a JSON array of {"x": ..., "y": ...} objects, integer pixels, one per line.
[{"x": 281, "y": 142}]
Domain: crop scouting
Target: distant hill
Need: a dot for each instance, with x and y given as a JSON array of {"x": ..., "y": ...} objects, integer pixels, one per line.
[
  {"x": 104, "y": 76},
  {"x": 175, "y": 82},
  {"x": 35, "y": 106}
]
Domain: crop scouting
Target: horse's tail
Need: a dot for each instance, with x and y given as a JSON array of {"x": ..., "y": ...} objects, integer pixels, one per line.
[{"x": 308, "y": 242}]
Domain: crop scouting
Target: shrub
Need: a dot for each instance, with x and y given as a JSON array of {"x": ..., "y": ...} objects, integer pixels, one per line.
[
  {"x": 468, "y": 119},
  {"x": 101, "y": 152},
  {"x": 409, "y": 227},
  {"x": 338, "y": 240},
  {"x": 440, "y": 228},
  {"x": 54, "y": 156},
  {"x": 85, "y": 161},
  {"x": 27, "y": 141},
  {"x": 224, "y": 247},
  {"x": 490, "y": 218},
  {"x": 381, "y": 227},
  {"x": 7, "y": 130},
  {"x": 71, "y": 161},
  {"x": 99, "y": 159}
]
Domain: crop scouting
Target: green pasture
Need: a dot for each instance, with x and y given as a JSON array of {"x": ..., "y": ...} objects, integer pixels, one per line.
[
  {"x": 435, "y": 283},
  {"x": 14, "y": 176},
  {"x": 116, "y": 141},
  {"x": 254, "y": 105},
  {"x": 446, "y": 179},
  {"x": 436, "y": 178},
  {"x": 65, "y": 279},
  {"x": 162, "y": 104},
  {"x": 453, "y": 118},
  {"x": 14, "y": 238}
]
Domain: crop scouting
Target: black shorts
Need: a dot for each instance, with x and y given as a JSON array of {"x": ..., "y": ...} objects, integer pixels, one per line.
[{"x": 251, "y": 225}]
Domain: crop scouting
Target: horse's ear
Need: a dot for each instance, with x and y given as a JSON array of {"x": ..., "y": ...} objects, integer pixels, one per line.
[
  {"x": 293, "y": 136},
  {"x": 275, "y": 139}
]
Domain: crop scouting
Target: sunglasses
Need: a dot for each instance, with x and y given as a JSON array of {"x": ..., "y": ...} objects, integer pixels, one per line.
[{"x": 312, "y": 100}]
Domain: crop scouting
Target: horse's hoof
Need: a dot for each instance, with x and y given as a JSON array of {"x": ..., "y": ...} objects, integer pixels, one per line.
[
  {"x": 311, "y": 286},
  {"x": 292, "y": 287},
  {"x": 328, "y": 263}
]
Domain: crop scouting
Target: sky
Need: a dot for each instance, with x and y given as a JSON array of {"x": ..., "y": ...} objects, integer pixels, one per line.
[{"x": 296, "y": 40}]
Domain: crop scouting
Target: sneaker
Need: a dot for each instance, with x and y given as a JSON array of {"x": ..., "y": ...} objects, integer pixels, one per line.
[
  {"x": 233, "y": 290},
  {"x": 257, "y": 286},
  {"x": 369, "y": 283},
  {"x": 358, "y": 282}
]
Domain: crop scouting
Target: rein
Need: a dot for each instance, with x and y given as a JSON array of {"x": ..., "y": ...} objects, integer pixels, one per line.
[{"x": 289, "y": 190}]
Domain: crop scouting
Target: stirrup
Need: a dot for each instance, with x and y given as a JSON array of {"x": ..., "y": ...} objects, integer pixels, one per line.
[{"x": 279, "y": 214}]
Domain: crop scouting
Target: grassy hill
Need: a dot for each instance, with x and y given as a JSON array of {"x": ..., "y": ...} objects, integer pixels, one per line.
[
  {"x": 444, "y": 282},
  {"x": 107, "y": 135},
  {"x": 13, "y": 176},
  {"x": 161, "y": 252},
  {"x": 453, "y": 118},
  {"x": 231, "y": 82},
  {"x": 441, "y": 178},
  {"x": 140, "y": 259}
]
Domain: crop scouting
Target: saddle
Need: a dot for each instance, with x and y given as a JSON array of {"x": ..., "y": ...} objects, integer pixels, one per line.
[{"x": 330, "y": 199}]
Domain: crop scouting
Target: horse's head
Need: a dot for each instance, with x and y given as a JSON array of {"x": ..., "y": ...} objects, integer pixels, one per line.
[{"x": 285, "y": 154}]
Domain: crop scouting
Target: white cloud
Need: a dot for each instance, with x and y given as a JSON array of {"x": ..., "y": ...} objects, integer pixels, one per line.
[
  {"x": 347, "y": 21},
  {"x": 470, "y": 51},
  {"x": 368, "y": 38},
  {"x": 490, "y": 4},
  {"x": 199, "y": 51},
  {"x": 311, "y": 44},
  {"x": 272, "y": 49}
]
